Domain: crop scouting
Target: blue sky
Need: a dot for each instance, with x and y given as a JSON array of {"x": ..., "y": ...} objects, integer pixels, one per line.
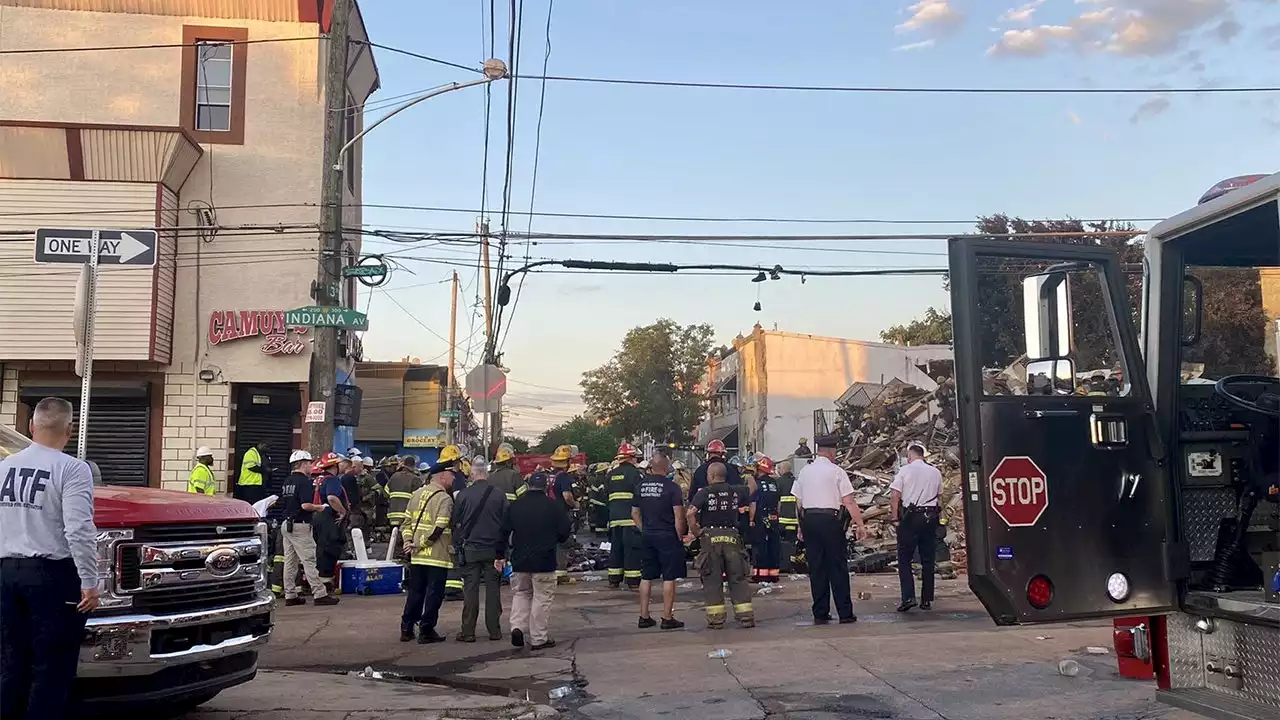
[{"x": 711, "y": 152}]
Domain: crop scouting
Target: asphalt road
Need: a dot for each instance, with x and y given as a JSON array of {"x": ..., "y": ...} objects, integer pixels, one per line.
[{"x": 950, "y": 663}]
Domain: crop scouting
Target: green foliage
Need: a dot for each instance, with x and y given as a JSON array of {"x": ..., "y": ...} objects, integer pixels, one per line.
[
  {"x": 520, "y": 445},
  {"x": 1233, "y": 331},
  {"x": 647, "y": 389},
  {"x": 932, "y": 329},
  {"x": 597, "y": 441}
]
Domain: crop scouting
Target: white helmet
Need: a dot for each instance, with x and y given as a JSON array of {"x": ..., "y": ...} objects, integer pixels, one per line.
[
  {"x": 299, "y": 456},
  {"x": 204, "y": 451},
  {"x": 677, "y": 465}
]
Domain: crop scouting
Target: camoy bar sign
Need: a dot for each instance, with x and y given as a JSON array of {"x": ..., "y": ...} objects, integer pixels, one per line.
[{"x": 316, "y": 316}]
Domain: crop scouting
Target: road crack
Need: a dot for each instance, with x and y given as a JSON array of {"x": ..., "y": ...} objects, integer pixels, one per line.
[
  {"x": 750, "y": 693},
  {"x": 895, "y": 688}
]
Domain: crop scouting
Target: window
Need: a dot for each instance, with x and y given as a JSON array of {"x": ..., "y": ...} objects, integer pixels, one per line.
[
  {"x": 353, "y": 153},
  {"x": 214, "y": 62},
  {"x": 213, "y": 86}
]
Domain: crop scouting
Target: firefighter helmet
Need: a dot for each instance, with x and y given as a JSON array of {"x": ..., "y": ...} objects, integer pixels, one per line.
[
  {"x": 299, "y": 456},
  {"x": 764, "y": 465},
  {"x": 450, "y": 452},
  {"x": 505, "y": 453},
  {"x": 329, "y": 460},
  {"x": 715, "y": 447},
  {"x": 625, "y": 450},
  {"x": 736, "y": 461},
  {"x": 562, "y": 453}
]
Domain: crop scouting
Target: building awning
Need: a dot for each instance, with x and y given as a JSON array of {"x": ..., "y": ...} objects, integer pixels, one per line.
[
  {"x": 727, "y": 435},
  {"x": 730, "y": 385}
]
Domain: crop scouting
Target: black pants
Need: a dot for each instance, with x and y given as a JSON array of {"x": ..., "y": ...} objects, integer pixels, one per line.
[
  {"x": 329, "y": 542},
  {"x": 625, "y": 554},
  {"x": 768, "y": 546},
  {"x": 40, "y": 633},
  {"x": 915, "y": 532},
  {"x": 478, "y": 571},
  {"x": 426, "y": 594},
  {"x": 828, "y": 563},
  {"x": 248, "y": 493}
]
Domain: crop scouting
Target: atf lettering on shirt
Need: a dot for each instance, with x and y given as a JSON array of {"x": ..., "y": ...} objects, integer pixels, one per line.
[
  {"x": 22, "y": 487},
  {"x": 718, "y": 505}
]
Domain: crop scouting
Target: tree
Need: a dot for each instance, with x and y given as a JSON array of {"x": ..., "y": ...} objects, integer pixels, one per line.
[
  {"x": 932, "y": 329},
  {"x": 1233, "y": 331},
  {"x": 596, "y": 440},
  {"x": 648, "y": 387},
  {"x": 519, "y": 444}
]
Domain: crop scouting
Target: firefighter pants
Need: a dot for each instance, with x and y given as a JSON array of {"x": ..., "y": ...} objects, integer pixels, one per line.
[
  {"x": 40, "y": 635},
  {"x": 917, "y": 532},
  {"x": 624, "y": 556},
  {"x": 300, "y": 549},
  {"x": 723, "y": 557},
  {"x": 275, "y": 547},
  {"x": 600, "y": 519},
  {"x": 327, "y": 533},
  {"x": 767, "y": 548},
  {"x": 426, "y": 593}
]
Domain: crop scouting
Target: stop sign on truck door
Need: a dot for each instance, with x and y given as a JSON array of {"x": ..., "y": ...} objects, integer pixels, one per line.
[{"x": 1019, "y": 491}]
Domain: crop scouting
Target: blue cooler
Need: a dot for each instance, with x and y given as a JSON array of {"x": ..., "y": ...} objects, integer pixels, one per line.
[{"x": 371, "y": 577}]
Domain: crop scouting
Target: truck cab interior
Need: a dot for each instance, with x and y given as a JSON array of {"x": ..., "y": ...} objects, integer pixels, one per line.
[{"x": 1224, "y": 395}]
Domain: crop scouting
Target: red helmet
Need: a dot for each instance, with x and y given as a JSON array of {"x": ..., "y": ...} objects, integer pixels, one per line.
[
  {"x": 764, "y": 465},
  {"x": 329, "y": 460},
  {"x": 715, "y": 447},
  {"x": 626, "y": 450}
]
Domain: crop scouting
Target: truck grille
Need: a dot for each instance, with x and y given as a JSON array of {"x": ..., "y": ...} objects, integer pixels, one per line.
[{"x": 169, "y": 569}]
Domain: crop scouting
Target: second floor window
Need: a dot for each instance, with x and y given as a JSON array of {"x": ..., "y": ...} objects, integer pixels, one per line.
[{"x": 213, "y": 86}]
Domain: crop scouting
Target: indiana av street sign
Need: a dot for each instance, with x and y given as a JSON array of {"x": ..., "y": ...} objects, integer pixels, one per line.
[
  {"x": 316, "y": 316},
  {"x": 134, "y": 248}
]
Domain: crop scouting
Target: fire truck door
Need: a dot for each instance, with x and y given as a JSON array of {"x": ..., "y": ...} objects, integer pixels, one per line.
[{"x": 1066, "y": 504}]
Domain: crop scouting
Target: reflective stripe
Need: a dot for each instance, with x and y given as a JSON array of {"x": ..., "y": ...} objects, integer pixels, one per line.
[
  {"x": 622, "y": 523},
  {"x": 402, "y": 495},
  {"x": 601, "y": 503},
  {"x": 397, "y": 515},
  {"x": 620, "y": 496},
  {"x": 453, "y": 584},
  {"x": 789, "y": 522},
  {"x": 277, "y": 589},
  {"x": 562, "y": 573},
  {"x": 715, "y": 609},
  {"x": 787, "y": 498},
  {"x": 511, "y": 497},
  {"x": 742, "y": 608},
  {"x": 615, "y": 571},
  {"x": 631, "y": 573},
  {"x": 277, "y": 558},
  {"x": 432, "y": 562}
]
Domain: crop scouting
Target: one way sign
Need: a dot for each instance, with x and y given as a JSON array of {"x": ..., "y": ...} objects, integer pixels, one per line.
[{"x": 135, "y": 248}]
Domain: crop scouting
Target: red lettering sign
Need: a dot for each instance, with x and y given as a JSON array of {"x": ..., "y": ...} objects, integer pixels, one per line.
[{"x": 228, "y": 325}]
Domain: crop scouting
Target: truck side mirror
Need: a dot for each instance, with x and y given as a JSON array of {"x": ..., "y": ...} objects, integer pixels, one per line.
[
  {"x": 1192, "y": 309},
  {"x": 1046, "y": 311},
  {"x": 1051, "y": 377}
]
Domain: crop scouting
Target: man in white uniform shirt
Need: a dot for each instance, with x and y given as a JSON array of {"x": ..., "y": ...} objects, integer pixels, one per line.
[
  {"x": 48, "y": 568},
  {"x": 913, "y": 505},
  {"x": 820, "y": 490}
]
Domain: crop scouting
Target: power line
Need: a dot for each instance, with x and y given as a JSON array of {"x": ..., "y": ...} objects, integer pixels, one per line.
[{"x": 420, "y": 56}]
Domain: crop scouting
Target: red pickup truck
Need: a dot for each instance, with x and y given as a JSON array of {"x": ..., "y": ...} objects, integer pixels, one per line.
[{"x": 185, "y": 604}]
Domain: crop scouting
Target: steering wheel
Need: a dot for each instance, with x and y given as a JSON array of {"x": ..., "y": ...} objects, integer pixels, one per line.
[{"x": 1267, "y": 404}]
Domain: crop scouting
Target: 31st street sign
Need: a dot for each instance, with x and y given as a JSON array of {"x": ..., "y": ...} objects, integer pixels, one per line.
[
  {"x": 316, "y": 316},
  {"x": 134, "y": 248}
]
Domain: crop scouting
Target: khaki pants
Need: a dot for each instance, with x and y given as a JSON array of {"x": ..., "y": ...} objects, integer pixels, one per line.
[
  {"x": 531, "y": 603},
  {"x": 300, "y": 547}
]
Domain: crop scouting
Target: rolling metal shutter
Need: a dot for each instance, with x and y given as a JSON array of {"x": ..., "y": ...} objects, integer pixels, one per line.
[
  {"x": 119, "y": 428},
  {"x": 252, "y": 428}
]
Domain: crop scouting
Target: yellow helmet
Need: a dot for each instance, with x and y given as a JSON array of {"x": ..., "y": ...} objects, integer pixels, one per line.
[
  {"x": 450, "y": 452},
  {"x": 562, "y": 453},
  {"x": 505, "y": 453},
  {"x": 464, "y": 467}
]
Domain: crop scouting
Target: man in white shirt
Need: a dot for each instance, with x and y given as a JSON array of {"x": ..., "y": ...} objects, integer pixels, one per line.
[
  {"x": 820, "y": 491},
  {"x": 913, "y": 505}
]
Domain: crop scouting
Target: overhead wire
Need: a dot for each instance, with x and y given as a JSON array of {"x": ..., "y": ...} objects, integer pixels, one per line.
[{"x": 515, "y": 38}]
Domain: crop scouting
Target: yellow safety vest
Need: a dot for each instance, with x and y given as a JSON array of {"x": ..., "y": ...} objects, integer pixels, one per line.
[
  {"x": 431, "y": 507},
  {"x": 201, "y": 481},
  {"x": 247, "y": 476}
]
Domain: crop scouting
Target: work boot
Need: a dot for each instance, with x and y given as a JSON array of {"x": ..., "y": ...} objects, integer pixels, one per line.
[
  {"x": 746, "y": 621},
  {"x": 406, "y": 634},
  {"x": 463, "y": 637},
  {"x": 715, "y": 622},
  {"x": 907, "y": 605},
  {"x": 926, "y": 605},
  {"x": 327, "y": 600},
  {"x": 646, "y": 622},
  {"x": 671, "y": 624},
  {"x": 544, "y": 646},
  {"x": 294, "y": 601},
  {"x": 517, "y": 637},
  {"x": 430, "y": 637},
  {"x": 495, "y": 636}
]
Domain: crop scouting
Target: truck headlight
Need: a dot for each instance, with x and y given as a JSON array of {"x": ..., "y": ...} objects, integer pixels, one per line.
[{"x": 108, "y": 568}]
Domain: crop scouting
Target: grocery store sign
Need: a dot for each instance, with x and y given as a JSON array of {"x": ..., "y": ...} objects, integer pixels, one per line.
[
  {"x": 277, "y": 337},
  {"x": 423, "y": 438}
]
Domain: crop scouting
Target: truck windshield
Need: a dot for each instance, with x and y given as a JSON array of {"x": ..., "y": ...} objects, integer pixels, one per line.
[
  {"x": 1238, "y": 323},
  {"x": 11, "y": 442}
]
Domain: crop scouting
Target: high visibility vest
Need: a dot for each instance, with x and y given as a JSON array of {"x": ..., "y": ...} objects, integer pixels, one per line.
[
  {"x": 201, "y": 481},
  {"x": 430, "y": 508},
  {"x": 247, "y": 476}
]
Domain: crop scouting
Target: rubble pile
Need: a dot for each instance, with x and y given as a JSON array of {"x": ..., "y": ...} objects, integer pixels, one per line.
[
  {"x": 873, "y": 441},
  {"x": 588, "y": 557}
]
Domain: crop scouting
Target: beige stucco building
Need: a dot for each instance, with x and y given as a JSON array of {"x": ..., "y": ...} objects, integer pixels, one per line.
[
  {"x": 209, "y": 134},
  {"x": 766, "y": 388}
]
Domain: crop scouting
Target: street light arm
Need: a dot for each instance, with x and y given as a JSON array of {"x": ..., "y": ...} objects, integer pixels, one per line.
[{"x": 434, "y": 92}]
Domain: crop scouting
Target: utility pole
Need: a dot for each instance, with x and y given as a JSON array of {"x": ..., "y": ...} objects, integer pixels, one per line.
[
  {"x": 493, "y": 421},
  {"x": 324, "y": 355},
  {"x": 449, "y": 379}
]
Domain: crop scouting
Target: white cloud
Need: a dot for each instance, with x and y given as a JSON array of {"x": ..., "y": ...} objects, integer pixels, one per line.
[
  {"x": 1022, "y": 13},
  {"x": 1150, "y": 109},
  {"x": 935, "y": 15},
  {"x": 916, "y": 45},
  {"x": 1032, "y": 42}
]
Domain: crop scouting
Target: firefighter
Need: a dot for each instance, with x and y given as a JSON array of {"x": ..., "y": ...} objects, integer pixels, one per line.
[
  {"x": 503, "y": 476},
  {"x": 598, "y": 499},
  {"x": 201, "y": 481},
  {"x": 428, "y": 538},
  {"x": 562, "y": 486},
  {"x": 788, "y": 518},
  {"x": 461, "y": 476},
  {"x": 713, "y": 516},
  {"x": 766, "y": 541},
  {"x": 326, "y": 525},
  {"x": 399, "y": 489},
  {"x": 624, "y": 538}
]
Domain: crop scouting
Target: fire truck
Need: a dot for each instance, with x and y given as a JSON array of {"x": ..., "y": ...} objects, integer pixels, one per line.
[
  {"x": 1127, "y": 467},
  {"x": 185, "y": 607}
]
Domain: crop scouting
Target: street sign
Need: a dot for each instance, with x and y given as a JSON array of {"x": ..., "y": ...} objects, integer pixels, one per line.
[
  {"x": 366, "y": 271},
  {"x": 316, "y": 316},
  {"x": 449, "y": 414},
  {"x": 134, "y": 248},
  {"x": 315, "y": 412},
  {"x": 486, "y": 385},
  {"x": 1019, "y": 491}
]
